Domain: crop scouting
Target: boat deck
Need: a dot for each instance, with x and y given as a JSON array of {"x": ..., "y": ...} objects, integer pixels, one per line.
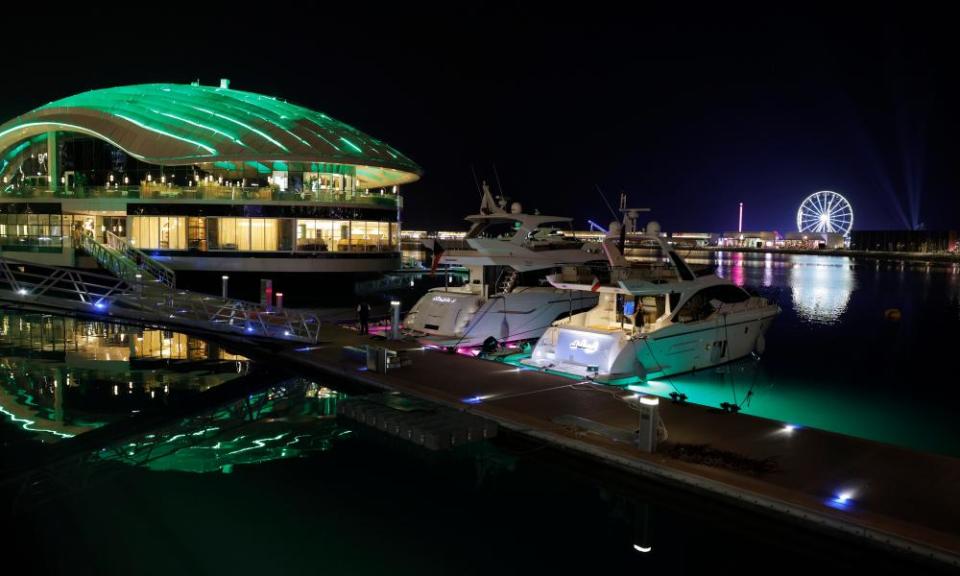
[{"x": 896, "y": 497}]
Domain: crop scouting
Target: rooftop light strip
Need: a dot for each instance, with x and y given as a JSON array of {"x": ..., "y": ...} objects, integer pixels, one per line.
[
  {"x": 203, "y": 126},
  {"x": 307, "y": 144},
  {"x": 351, "y": 144},
  {"x": 260, "y": 133},
  {"x": 209, "y": 149},
  {"x": 61, "y": 125},
  {"x": 320, "y": 136},
  {"x": 269, "y": 120}
]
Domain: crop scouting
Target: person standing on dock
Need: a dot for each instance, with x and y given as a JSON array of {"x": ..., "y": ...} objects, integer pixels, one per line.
[{"x": 363, "y": 313}]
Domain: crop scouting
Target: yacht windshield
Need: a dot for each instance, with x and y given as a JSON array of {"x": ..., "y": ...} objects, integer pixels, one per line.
[{"x": 497, "y": 229}]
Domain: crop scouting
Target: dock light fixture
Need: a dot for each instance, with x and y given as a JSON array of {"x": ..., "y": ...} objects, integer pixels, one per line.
[
  {"x": 394, "y": 319},
  {"x": 842, "y": 500},
  {"x": 650, "y": 400},
  {"x": 223, "y": 287}
]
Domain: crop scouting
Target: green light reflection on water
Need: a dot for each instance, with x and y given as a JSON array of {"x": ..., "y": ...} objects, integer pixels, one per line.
[{"x": 844, "y": 411}]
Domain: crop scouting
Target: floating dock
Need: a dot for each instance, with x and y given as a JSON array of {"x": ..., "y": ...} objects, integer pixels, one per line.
[{"x": 424, "y": 424}]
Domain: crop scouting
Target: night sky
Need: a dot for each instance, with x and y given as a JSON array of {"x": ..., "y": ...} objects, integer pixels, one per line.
[{"x": 689, "y": 110}]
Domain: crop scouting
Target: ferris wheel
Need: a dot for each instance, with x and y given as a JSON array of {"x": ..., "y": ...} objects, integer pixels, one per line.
[{"x": 825, "y": 211}]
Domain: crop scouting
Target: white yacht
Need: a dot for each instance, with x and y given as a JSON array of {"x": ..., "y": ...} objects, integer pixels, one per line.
[
  {"x": 508, "y": 254},
  {"x": 654, "y": 319}
]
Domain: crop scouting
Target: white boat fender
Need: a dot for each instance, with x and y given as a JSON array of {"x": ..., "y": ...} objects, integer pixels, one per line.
[{"x": 759, "y": 345}]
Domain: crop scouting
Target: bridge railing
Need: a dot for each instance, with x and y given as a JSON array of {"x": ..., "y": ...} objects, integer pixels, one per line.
[{"x": 37, "y": 286}]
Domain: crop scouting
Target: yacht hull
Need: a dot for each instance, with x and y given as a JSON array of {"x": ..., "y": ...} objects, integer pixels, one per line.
[
  {"x": 450, "y": 318},
  {"x": 610, "y": 355}
]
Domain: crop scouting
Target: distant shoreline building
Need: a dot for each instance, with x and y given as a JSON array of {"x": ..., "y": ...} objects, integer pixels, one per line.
[
  {"x": 763, "y": 239},
  {"x": 813, "y": 241},
  {"x": 922, "y": 241}
]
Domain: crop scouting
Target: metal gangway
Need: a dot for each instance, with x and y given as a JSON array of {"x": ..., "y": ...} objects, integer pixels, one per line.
[
  {"x": 144, "y": 300},
  {"x": 124, "y": 260}
]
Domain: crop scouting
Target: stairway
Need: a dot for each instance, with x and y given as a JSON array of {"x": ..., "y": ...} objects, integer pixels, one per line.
[{"x": 128, "y": 262}]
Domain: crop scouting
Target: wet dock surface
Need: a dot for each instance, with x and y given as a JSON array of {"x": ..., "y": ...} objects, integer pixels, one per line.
[{"x": 907, "y": 499}]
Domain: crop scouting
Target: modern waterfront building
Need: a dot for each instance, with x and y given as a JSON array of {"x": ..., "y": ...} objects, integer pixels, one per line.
[{"x": 207, "y": 180}]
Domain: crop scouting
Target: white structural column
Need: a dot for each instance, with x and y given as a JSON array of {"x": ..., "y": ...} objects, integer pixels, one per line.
[{"x": 53, "y": 161}]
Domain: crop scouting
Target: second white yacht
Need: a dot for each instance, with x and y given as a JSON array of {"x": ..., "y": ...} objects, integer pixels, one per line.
[{"x": 508, "y": 254}]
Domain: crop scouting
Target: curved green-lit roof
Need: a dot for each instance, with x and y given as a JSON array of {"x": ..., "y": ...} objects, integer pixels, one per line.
[{"x": 177, "y": 124}]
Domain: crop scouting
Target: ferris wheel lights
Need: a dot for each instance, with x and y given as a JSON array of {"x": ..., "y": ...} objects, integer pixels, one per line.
[{"x": 825, "y": 212}]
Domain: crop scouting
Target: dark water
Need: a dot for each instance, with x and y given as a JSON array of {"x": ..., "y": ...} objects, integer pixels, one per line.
[
  {"x": 60, "y": 377},
  {"x": 834, "y": 361},
  {"x": 273, "y": 483}
]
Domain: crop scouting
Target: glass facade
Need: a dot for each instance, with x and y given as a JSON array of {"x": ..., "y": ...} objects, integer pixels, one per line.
[
  {"x": 222, "y": 206},
  {"x": 225, "y": 233},
  {"x": 30, "y": 230}
]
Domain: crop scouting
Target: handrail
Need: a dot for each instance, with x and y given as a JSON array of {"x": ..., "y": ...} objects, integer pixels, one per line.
[
  {"x": 163, "y": 274},
  {"x": 128, "y": 266},
  {"x": 93, "y": 293}
]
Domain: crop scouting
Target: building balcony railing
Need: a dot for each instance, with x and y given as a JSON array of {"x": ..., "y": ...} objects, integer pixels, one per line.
[{"x": 207, "y": 193}]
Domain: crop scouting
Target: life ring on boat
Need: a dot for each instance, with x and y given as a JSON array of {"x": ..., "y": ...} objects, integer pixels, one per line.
[
  {"x": 892, "y": 314},
  {"x": 759, "y": 345}
]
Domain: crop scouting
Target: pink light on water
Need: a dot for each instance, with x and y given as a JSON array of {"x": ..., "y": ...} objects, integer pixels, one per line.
[{"x": 737, "y": 275}]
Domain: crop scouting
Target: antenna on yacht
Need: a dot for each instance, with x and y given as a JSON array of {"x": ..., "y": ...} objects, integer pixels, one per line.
[
  {"x": 476, "y": 182},
  {"x": 499, "y": 186},
  {"x": 630, "y": 215},
  {"x": 487, "y": 204},
  {"x": 605, "y": 201}
]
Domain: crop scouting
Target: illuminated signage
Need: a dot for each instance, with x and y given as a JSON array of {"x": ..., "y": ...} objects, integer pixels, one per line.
[{"x": 444, "y": 299}]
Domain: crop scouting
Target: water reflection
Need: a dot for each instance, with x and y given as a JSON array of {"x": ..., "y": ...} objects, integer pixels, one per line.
[
  {"x": 291, "y": 420},
  {"x": 60, "y": 376},
  {"x": 821, "y": 287}
]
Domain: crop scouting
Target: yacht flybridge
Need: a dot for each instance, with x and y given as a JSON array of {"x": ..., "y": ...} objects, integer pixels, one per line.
[
  {"x": 508, "y": 254},
  {"x": 654, "y": 319}
]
